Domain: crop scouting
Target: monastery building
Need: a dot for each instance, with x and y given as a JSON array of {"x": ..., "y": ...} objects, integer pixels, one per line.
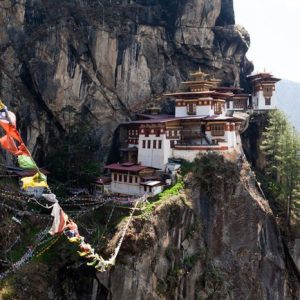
[{"x": 206, "y": 119}]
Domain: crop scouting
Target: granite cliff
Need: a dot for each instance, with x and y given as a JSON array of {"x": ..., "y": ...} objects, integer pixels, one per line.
[
  {"x": 216, "y": 239},
  {"x": 99, "y": 62},
  {"x": 64, "y": 62}
]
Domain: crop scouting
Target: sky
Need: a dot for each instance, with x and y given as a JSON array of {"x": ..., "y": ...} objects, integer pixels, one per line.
[{"x": 274, "y": 27}]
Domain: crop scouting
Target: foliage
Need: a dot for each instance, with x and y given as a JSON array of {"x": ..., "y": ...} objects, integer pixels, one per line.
[
  {"x": 169, "y": 192},
  {"x": 281, "y": 145},
  {"x": 186, "y": 167},
  {"x": 29, "y": 235},
  {"x": 72, "y": 162},
  {"x": 213, "y": 171},
  {"x": 191, "y": 260},
  {"x": 214, "y": 280}
]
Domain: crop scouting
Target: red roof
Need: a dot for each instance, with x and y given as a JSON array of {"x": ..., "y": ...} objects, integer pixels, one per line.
[
  {"x": 241, "y": 95},
  {"x": 125, "y": 167},
  {"x": 160, "y": 116},
  {"x": 227, "y": 88},
  {"x": 263, "y": 76},
  {"x": 154, "y": 121},
  {"x": 103, "y": 180},
  {"x": 204, "y": 93}
]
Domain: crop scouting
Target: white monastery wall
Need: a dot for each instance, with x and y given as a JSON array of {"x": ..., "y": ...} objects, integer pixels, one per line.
[
  {"x": 154, "y": 157},
  {"x": 126, "y": 188},
  {"x": 180, "y": 111},
  {"x": 230, "y": 138},
  {"x": 188, "y": 155},
  {"x": 203, "y": 110},
  {"x": 258, "y": 101}
]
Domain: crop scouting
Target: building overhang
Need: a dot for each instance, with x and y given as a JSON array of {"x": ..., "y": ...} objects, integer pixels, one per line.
[{"x": 152, "y": 183}]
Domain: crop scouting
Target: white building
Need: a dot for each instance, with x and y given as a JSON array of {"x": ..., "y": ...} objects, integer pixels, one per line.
[
  {"x": 263, "y": 91},
  {"x": 133, "y": 179}
]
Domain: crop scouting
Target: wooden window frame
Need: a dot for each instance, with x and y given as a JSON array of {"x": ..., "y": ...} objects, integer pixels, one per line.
[
  {"x": 191, "y": 108},
  {"x": 218, "y": 108},
  {"x": 267, "y": 101},
  {"x": 217, "y": 129}
]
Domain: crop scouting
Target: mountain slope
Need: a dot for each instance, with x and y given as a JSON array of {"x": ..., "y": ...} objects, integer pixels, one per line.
[{"x": 288, "y": 98}]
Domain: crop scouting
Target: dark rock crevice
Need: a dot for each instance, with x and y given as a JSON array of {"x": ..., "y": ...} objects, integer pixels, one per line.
[{"x": 113, "y": 58}]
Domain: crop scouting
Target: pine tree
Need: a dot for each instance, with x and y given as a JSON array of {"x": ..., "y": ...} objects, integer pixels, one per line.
[{"x": 281, "y": 145}]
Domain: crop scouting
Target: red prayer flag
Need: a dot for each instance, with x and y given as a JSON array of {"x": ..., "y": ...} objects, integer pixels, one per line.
[
  {"x": 8, "y": 143},
  {"x": 11, "y": 130}
]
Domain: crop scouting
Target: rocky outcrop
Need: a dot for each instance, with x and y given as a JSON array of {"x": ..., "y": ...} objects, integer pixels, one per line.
[
  {"x": 100, "y": 61},
  {"x": 223, "y": 245},
  {"x": 217, "y": 239},
  {"x": 252, "y": 139}
]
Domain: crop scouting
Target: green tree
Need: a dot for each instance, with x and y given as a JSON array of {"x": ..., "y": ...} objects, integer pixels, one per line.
[
  {"x": 73, "y": 160},
  {"x": 281, "y": 145}
]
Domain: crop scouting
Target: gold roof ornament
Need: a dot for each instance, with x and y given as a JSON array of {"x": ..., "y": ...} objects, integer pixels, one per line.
[
  {"x": 2, "y": 105},
  {"x": 199, "y": 75}
]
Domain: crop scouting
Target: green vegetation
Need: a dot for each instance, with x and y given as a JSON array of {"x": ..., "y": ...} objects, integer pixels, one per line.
[
  {"x": 191, "y": 260},
  {"x": 73, "y": 161},
  {"x": 29, "y": 235},
  {"x": 281, "y": 145},
  {"x": 169, "y": 192},
  {"x": 216, "y": 286},
  {"x": 186, "y": 167},
  {"x": 213, "y": 172}
]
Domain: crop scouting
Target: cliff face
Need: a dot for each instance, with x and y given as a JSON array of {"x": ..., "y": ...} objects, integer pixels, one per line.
[
  {"x": 100, "y": 61},
  {"x": 217, "y": 239},
  {"x": 218, "y": 242}
]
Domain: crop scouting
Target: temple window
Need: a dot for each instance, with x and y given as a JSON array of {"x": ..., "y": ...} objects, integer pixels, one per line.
[
  {"x": 136, "y": 179},
  {"x": 115, "y": 177},
  {"x": 157, "y": 133},
  {"x": 144, "y": 144},
  {"x": 217, "y": 130},
  {"x": 149, "y": 145},
  {"x": 267, "y": 101},
  {"x": 120, "y": 177},
  {"x": 239, "y": 103},
  {"x": 125, "y": 178},
  {"x": 130, "y": 179},
  {"x": 154, "y": 144},
  {"x": 218, "y": 108},
  {"x": 159, "y": 144},
  {"x": 191, "y": 108}
]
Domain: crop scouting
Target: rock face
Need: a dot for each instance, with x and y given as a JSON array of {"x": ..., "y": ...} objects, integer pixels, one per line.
[
  {"x": 252, "y": 138},
  {"x": 225, "y": 246},
  {"x": 101, "y": 61}
]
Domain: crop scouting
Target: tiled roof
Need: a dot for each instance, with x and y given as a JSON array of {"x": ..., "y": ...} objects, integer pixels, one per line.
[
  {"x": 103, "y": 180},
  {"x": 211, "y": 93},
  {"x": 126, "y": 167},
  {"x": 151, "y": 183}
]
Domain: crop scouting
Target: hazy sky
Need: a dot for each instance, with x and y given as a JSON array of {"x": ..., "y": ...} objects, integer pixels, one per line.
[{"x": 274, "y": 27}]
